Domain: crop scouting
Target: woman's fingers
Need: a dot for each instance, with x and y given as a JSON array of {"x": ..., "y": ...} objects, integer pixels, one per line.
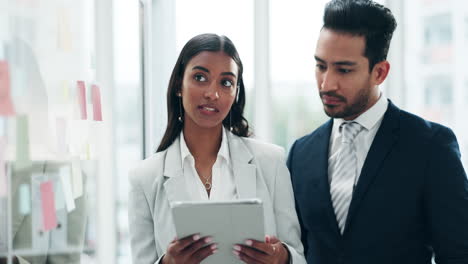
[
  {"x": 204, "y": 252},
  {"x": 177, "y": 246},
  {"x": 260, "y": 246}
]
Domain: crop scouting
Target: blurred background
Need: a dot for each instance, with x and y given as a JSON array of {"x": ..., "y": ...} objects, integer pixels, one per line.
[{"x": 83, "y": 97}]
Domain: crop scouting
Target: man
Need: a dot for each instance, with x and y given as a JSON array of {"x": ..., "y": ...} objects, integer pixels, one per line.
[{"x": 374, "y": 184}]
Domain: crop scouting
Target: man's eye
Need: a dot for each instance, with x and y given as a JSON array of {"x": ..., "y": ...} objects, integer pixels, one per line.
[
  {"x": 227, "y": 83},
  {"x": 320, "y": 67},
  {"x": 199, "y": 78},
  {"x": 344, "y": 70}
]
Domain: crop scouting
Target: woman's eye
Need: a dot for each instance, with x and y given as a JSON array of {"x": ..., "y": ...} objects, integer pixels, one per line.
[
  {"x": 227, "y": 83},
  {"x": 200, "y": 78}
]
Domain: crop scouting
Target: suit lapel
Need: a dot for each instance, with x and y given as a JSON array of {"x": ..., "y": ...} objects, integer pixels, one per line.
[
  {"x": 175, "y": 185},
  {"x": 320, "y": 156},
  {"x": 245, "y": 175},
  {"x": 384, "y": 140}
]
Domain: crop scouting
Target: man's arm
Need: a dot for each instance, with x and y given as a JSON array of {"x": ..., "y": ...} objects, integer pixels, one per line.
[{"x": 446, "y": 199}]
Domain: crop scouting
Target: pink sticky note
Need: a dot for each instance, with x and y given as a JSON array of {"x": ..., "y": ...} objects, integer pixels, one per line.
[
  {"x": 81, "y": 94},
  {"x": 48, "y": 206},
  {"x": 6, "y": 105},
  {"x": 96, "y": 97}
]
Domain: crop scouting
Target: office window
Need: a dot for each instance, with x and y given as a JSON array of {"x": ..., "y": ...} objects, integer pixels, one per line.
[
  {"x": 433, "y": 58},
  {"x": 297, "y": 109},
  {"x": 128, "y": 98}
]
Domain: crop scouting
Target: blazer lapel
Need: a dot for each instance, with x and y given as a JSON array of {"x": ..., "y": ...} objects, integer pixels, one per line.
[
  {"x": 320, "y": 153},
  {"x": 175, "y": 185},
  {"x": 245, "y": 175},
  {"x": 384, "y": 140}
]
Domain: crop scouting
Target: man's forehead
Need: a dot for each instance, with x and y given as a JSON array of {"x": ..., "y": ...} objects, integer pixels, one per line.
[{"x": 335, "y": 47}]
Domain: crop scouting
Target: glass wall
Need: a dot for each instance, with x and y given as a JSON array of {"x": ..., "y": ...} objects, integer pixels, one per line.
[
  {"x": 434, "y": 57},
  {"x": 52, "y": 116}
]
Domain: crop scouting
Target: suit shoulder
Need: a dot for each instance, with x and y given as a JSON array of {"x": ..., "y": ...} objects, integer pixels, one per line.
[
  {"x": 145, "y": 170},
  {"x": 263, "y": 149},
  {"x": 422, "y": 129}
]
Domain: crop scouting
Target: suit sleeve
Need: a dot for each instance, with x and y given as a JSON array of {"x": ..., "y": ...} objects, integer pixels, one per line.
[
  {"x": 303, "y": 230},
  {"x": 141, "y": 225},
  {"x": 288, "y": 228},
  {"x": 446, "y": 197}
]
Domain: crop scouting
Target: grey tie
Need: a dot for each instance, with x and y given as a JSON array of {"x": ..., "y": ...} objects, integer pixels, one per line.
[{"x": 345, "y": 172}]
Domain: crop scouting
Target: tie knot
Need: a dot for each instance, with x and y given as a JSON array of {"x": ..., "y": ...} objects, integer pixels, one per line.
[{"x": 349, "y": 131}]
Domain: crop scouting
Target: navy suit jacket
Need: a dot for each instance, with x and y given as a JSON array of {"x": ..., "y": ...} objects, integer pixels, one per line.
[{"x": 411, "y": 200}]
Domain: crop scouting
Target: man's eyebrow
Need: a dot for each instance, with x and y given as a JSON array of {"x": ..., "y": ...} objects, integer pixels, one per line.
[
  {"x": 345, "y": 63},
  {"x": 337, "y": 63},
  {"x": 319, "y": 59}
]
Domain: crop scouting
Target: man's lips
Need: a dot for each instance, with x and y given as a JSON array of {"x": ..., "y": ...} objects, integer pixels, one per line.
[{"x": 331, "y": 100}]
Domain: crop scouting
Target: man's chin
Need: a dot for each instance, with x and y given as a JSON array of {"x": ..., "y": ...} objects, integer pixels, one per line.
[{"x": 333, "y": 112}]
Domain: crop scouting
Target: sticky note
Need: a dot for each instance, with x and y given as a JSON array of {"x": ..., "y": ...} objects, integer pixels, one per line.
[
  {"x": 81, "y": 95},
  {"x": 24, "y": 199},
  {"x": 6, "y": 104},
  {"x": 67, "y": 188},
  {"x": 77, "y": 178},
  {"x": 22, "y": 140},
  {"x": 49, "y": 216},
  {"x": 96, "y": 98},
  {"x": 64, "y": 35},
  {"x": 65, "y": 91},
  {"x": 61, "y": 136}
]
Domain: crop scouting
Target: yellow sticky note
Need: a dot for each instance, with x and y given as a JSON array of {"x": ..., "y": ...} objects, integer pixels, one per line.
[
  {"x": 65, "y": 91},
  {"x": 64, "y": 35}
]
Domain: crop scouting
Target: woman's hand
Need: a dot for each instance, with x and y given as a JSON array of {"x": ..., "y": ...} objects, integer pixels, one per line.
[
  {"x": 189, "y": 250},
  {"x": 272, "y": 251}
]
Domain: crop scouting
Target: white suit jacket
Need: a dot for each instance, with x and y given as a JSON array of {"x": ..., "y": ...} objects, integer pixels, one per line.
[{"x": 259, "y": 172}]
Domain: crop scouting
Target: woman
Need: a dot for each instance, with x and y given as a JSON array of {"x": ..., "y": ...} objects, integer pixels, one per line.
[{"x": 206, "y": 154}]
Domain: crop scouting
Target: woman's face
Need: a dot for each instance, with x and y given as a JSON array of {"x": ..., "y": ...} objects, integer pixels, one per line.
[{"x": 208, "y": 89}]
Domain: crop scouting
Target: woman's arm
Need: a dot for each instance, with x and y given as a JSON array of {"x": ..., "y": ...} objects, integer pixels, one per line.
[
  {"x": 287, "y": 224},
  {"x": 141, "y": 225}
]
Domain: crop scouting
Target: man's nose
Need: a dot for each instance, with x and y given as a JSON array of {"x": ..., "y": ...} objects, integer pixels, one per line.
[{"x": 328, "y": 82}]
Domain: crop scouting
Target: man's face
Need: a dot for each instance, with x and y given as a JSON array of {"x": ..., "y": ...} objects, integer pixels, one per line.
[{"x": 346, "y": 86}]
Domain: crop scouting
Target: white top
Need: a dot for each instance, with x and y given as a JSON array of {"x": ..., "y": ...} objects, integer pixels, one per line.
[
  {"x": 223, "y": 184},
  {"x": 370, "y": 120}
]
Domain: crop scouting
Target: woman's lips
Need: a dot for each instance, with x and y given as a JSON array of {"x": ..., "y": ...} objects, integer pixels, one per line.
[{"x": 207, "y": 109}]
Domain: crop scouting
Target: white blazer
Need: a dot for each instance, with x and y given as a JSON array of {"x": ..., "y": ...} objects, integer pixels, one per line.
[{"x": 259, "y": 171}]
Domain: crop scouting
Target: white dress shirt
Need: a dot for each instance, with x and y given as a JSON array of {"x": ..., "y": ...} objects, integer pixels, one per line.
[
  {"x": 370, "y": 120},
  {"x": 223, "y": 185}
]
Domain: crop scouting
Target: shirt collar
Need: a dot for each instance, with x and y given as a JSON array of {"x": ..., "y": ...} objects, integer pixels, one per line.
[
  {"x": 371, "y": 117},
  {"x": 223, "y": 150}
]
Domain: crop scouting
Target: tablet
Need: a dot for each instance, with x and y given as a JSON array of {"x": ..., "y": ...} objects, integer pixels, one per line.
[{"x": 228, "y": 222}]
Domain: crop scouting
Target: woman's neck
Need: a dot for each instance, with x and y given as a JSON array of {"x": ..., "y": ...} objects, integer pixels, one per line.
[{"x": 203, "y": 143}]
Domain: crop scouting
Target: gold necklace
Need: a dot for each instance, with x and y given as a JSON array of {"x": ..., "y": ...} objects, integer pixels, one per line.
[{"x": 207, "y": 182}]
